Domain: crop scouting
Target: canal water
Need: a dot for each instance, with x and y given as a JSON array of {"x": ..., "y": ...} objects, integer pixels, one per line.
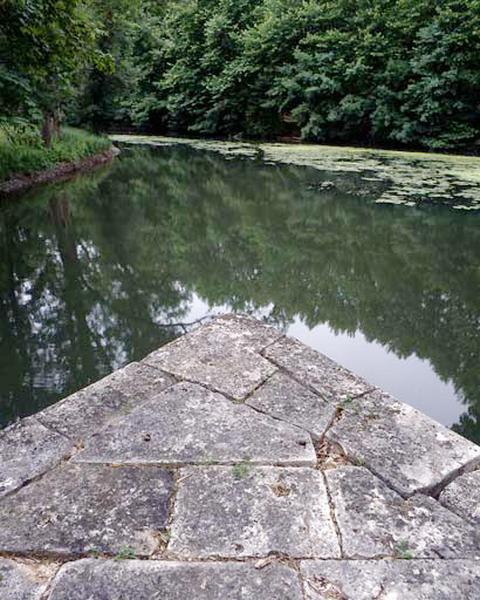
[{"x": 99, "y": 271}]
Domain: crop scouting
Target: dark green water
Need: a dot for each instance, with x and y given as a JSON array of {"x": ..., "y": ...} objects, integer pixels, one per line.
[{"x": 97, "y": 272}]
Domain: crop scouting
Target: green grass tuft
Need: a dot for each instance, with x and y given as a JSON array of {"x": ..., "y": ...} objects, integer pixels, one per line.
[
  {"x": 241, "y": 470},
  {"x": 125, "y": 553},
  {"x": 402, "y": 550},
  {"x": 22, "y": 151}
]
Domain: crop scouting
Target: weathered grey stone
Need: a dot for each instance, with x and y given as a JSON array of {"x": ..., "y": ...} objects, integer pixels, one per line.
[
  {"x": 375, "y": 521},
  {"x": 86, "y": 411},
  {"x": 328, "y": 378},
  {"x": 221, "y": 355},
  {"x": 79, "y": 508},
  {"x": 23, "y": 579},
  {"x": 392, "y": 580},
  {"x": 245, "y": 331},
  {"x": 403, "y": 446},
  {"x": 243, "y": 511},
  {"x": 156, "y": 580},
  {"x": 132, "y": 425},
  {"x": 189, "y": 424},
  {"x": 283, "y": 398},
  {"x": 241, "y": 331},
  {"x": 28, "y": 449},
  {"x": 462, "y": 496}
]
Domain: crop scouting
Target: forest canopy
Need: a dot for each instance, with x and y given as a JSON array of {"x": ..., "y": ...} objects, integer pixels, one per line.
[{"x": 379, "y": 72}]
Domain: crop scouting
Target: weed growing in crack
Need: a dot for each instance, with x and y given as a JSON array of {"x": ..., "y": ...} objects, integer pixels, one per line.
[
  {"x": 358, "y": 461},
  {"x": 241, "y": 470},
  {"x": 402, "y": 550},
  {"x": 125, "y": 553},
  {"x": 346, "y": 402}
]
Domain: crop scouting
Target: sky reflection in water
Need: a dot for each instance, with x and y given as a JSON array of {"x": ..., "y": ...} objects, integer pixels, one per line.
[{"x": 99, "y": 271}]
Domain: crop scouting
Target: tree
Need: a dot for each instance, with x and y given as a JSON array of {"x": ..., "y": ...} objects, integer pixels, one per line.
[
  {"x": 101, "y": 101},
  {"x": 380, "y": 72},
  {"x": 46, "y": 45},
  {"x": 384, "y": 72}
]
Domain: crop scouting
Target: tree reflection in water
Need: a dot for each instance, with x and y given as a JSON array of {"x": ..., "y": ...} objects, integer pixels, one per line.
[{"x": 99, "y": 271}]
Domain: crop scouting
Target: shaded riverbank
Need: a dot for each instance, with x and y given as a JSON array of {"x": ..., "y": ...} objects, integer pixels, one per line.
[
  {"x": 25, "y": 160},
  {"x": 64, "y": 170}
]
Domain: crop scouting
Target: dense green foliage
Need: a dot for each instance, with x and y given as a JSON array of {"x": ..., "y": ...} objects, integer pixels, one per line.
[
  {"x": 391, "y": 72},
  {"x": 385, "y": 72},
  {"x": 22, "y": 150},
  {"x": 45, "y": 47}
]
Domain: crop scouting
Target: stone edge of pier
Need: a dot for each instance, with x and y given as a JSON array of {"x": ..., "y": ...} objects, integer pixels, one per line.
[{"x": 236, "y": 458}]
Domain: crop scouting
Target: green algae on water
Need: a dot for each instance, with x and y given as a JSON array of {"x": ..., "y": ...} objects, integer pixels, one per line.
[{"x": 403, "y": 178}]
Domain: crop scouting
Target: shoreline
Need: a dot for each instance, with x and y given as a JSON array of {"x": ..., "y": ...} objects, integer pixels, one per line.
[
  {"x": 298, "y": 141},
  {"x": 62, "y": 171}
]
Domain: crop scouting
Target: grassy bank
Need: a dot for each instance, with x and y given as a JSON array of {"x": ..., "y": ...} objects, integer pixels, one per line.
[{"x": 22, "y": 151}]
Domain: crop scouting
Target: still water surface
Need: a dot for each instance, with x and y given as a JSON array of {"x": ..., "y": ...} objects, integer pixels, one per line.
[{"x": 99, "y": 271}]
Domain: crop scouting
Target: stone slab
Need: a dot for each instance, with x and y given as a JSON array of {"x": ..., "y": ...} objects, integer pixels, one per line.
[
  {"x": 326, "y": 377},
  {"x": 247, "y": 511},
  {"x": 462, "y": 496},
  {"x": 28, "y": 449},
  {"x": 23, "y": 579},
  {"x": 235, "y": 330},
  {"x": 407, "y": 449},
  {"x": 245, "y": 332},
  {"x": 157, "y": 580},
  {"x": 257, "y": 517},
  {"x": 221, "y": 356},
  {"x": 89, "y": 409},
  {"x": 391, "y": 580},
  {"x": 80, "y": 508},
  {"x": 376, "y": 522},
  {"x": 283, "y": 398},
  {"x": 188, "y": 424}
]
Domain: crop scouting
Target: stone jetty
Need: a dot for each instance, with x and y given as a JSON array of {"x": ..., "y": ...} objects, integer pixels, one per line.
[{"x": 236, "y": 463}]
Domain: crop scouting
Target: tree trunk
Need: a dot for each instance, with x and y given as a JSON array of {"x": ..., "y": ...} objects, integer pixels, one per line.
[
  {"x": 48, "y": 128},
  {"x": 56, "y": 123}
]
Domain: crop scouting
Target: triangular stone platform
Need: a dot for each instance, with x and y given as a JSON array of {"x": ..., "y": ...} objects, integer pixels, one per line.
[{"x": 236, "y": 463}]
